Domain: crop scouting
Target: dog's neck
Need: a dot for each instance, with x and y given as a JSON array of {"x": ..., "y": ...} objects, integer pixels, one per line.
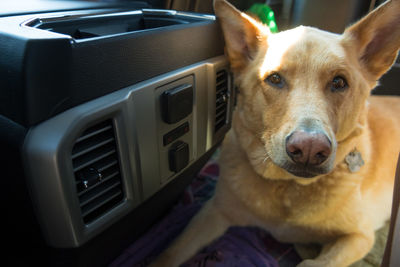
[{"x": 357, "y": 140}]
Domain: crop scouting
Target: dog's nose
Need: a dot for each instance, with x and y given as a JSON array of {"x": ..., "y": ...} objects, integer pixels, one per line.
[{"x": 308, "y": 148}]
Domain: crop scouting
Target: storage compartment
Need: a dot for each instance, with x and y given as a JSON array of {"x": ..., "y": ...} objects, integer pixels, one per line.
[{"x": 83, "y": 27}]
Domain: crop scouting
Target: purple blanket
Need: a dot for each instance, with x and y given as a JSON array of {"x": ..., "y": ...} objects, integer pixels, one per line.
[{"x": 239, "y": 246}]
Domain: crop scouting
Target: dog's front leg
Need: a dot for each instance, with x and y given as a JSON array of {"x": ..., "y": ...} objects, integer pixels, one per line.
[
  {"x": 205, "y": 226},
  {"x": 343, "y": 252}
]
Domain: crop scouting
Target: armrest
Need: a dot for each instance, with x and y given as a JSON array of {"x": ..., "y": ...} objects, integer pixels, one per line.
[{"x": 391, "y": 258}]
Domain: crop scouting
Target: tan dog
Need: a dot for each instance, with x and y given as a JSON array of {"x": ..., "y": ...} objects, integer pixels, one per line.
[{"x": 310, "y": 157}]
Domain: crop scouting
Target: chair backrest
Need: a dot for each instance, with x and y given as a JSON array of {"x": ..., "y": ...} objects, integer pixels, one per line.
[{"x": 391, "y": 258}]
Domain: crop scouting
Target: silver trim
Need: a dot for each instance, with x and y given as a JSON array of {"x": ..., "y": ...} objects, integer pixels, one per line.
[
  {"x": 159, "y": 12},
  {"x": 139, "y": 130}
]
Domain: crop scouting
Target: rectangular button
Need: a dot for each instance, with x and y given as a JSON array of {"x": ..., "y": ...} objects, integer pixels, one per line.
[
  {"x": 178, "y": 156},
  {"x": 175, "y": 133},
  {"x": 177, "y": 103}
]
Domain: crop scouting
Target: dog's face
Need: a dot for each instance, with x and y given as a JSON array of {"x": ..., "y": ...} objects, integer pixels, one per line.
[{"x": 303, "y": 91}]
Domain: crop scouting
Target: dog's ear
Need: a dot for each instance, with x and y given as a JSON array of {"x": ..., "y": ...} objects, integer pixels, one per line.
[
  {"x": 243, "y": 34},
  {"x": 376, "y": 38}
]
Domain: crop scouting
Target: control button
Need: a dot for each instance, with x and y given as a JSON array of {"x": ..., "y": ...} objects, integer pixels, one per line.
[
  {"x": 175, "y": 133},
  {"x": 178, "y": 156},
  {"x": 177, "y": 103}
]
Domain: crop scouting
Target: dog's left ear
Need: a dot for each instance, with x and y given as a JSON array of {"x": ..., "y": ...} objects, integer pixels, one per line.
[{"x": 376, "y": 38}]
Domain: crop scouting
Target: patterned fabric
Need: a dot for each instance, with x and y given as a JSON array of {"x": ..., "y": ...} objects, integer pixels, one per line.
[{"x": 239, "y": 246}]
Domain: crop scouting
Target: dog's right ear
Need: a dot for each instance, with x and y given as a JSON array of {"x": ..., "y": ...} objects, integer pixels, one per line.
[
  {"x": 376, "y": 38},
  {"x": 243, "y": 34}
]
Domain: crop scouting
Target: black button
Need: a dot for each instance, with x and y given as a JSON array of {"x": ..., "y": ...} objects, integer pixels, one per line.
[
  {"x": 177, "y": 103},
  {"x": 178, "y": 156},
  {"x": 175, "y": 133}
]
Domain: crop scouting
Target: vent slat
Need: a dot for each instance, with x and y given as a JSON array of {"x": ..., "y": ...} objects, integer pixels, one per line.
[
  {"x": 219, "y": 125},
  {"x": 219, "y": 108},
  {"x": 97, "y": 158},
  {"x": 93, "y": 147},
  {"x": 221, "y": 99},
  {"x": 88, "y": 135},
  {"x": 86, "y": 212},
  {"x": 221, "y": 83},
  {"x": 105, "y": 167},
  {"x": 220, "y": 120},
  {"x": 100, "y": 192},
  {"x": 112, "y": 202},
  {"x": 222, "y": 90},
  {"x": 221, "y": 75},
  {"x": 105, "y": 163},
  {"x": 108, "y": 177},
  {"x": 222, "y": 112},
  {"x": 95, "y": 162}
]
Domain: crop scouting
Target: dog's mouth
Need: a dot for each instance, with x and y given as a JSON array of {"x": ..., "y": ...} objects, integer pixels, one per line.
[{"x": 305, "y": 171}]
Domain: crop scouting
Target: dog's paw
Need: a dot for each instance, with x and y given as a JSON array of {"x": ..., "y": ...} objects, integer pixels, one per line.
[{"x": 310, "y": 263}]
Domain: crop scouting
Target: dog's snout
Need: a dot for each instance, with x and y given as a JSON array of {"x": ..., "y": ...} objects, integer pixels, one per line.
[{"x": 308, "y": 148}]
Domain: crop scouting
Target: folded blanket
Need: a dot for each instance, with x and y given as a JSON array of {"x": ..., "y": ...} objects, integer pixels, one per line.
[{"x": 239, "y": 246}]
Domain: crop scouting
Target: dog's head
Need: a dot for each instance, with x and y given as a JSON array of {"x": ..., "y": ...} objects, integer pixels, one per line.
[{"x": 303, "y": 92}]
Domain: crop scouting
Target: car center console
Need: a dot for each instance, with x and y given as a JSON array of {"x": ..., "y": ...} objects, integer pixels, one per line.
[{"x": 117, "y": 107}]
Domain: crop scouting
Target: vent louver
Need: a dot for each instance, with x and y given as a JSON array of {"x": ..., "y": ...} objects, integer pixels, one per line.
[
  {"x": 221, "y": 99},
  {"x": 97, "y": 171}
]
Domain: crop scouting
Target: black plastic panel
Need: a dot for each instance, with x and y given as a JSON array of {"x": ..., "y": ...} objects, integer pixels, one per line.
[{"x": 44, "y": 73}]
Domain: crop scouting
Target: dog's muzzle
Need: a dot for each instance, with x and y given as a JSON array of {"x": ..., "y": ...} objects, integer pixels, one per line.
[{"x": 308, "y": 152}]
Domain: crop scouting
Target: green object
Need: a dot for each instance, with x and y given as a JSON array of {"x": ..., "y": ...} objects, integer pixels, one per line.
[{"x": 265, "y": 14}]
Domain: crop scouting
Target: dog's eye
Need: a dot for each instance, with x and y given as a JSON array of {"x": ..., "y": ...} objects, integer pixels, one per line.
[
  {"x": 275, "y": 80},
  {"x": 338, "y": 84}
]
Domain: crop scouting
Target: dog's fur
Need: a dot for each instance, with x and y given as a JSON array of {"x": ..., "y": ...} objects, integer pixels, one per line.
[{"x": 258, "y": 185}]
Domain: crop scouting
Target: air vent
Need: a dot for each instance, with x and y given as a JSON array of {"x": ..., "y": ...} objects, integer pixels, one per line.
[
  {"x": 221, "y": 99},
  {"x": 97, "y": 171}
]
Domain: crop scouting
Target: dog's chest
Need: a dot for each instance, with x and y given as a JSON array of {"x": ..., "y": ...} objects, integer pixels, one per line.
[
  {"x": 295, "y": 213},
  {"x": 292, "y": 219}
]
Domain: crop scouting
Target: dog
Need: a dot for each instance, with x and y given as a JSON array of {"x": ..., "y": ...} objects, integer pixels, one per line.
[{"x": 311, "y": 155}]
